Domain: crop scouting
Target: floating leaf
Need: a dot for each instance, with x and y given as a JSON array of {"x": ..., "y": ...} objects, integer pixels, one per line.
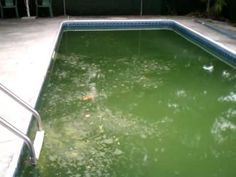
[
  {"x": 108, "y": 141},
  {"x": 118, "y": 152}
]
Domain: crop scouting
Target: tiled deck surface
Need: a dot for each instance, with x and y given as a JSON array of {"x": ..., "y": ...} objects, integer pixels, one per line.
[{"x": 26, "y": 47}]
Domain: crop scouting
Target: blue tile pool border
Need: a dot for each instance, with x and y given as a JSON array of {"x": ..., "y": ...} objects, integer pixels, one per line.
[{"x": 226, "y": 55}]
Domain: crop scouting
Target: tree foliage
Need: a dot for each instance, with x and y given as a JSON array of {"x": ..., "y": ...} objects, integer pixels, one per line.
[
  {"x": 215, "y": 6},
  {"x": 218, "y": 6}
]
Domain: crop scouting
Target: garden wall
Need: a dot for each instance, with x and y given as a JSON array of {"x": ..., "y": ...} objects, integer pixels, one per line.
[{"x": 126, "y": 7}]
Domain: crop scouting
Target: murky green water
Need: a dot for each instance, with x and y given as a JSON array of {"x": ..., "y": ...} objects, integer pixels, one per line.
[{"x": 137, "y": 104}]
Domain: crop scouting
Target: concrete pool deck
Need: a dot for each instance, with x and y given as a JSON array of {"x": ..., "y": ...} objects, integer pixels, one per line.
[{"x": 26, "y": 48}]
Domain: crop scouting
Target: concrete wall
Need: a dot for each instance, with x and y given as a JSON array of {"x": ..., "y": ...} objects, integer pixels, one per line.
[
  {"x": 109, "y": 7},
  {"x": 231, "y": 10},
  {"x": 125, "y": 7}
]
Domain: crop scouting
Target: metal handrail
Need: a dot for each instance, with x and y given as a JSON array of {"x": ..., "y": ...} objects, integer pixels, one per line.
[
  {"x": 24, "y": 104},
  {"x": 20, "y": 134}
]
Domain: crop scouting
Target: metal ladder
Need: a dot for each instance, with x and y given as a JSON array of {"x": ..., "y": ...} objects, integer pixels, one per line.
[{"x": 34, "y": 148}]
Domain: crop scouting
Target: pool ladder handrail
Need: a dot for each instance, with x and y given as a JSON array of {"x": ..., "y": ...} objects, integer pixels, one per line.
[{"x": 35, "y": 147}]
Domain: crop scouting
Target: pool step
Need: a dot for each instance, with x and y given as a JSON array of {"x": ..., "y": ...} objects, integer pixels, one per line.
[{"x": 38, "y": 143}]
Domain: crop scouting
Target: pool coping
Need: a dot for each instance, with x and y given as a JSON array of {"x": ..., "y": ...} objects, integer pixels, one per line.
[
  {"x": 173, "y": 25},
  {"x": 227, "y": 32}
]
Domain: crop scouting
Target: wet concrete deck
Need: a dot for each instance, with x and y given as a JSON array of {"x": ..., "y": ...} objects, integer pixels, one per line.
[{"x": 26, "y": 48}]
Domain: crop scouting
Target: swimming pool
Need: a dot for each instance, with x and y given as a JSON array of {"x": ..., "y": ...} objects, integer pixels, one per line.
[
  {"x": 140, "y": 105},
  {"x": 223, "y": 53}
]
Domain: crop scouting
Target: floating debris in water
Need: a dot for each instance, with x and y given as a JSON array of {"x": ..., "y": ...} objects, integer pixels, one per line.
[
  {"x": 208, "y": 68},
  {"x": 225, "y": 74},
  {"x": 88, "y": 97},
  {"x": 145, "y": 158},
  {"x": 181, "y": 93},
  {"x": 108, "y": 141},
  {"x": 87, "y": 115},
  {"x": 118, "y": 152}
]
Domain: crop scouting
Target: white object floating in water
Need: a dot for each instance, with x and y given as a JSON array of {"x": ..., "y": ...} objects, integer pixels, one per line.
[
  {"x": 208, "y": 68},
  {"x": 225, "y": 74},
  {"x": 87, "y": 115},
  {"x": 118, "y": 152}
]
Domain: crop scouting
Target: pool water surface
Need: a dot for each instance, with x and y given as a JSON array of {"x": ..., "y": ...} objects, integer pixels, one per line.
[{"x": 137, "y": 103}]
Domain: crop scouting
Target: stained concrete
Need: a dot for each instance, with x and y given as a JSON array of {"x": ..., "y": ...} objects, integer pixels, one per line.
[{"x": 26, "y": 48}]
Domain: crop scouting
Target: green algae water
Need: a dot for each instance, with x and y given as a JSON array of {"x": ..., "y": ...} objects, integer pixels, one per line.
[{"x": 136, "y": 104}]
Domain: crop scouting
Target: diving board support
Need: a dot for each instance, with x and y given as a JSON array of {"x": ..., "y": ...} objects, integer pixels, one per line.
[{"x": 35, "y": 148}]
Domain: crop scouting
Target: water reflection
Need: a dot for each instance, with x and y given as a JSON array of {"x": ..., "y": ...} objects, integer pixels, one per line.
[
  {"x": 231, "y": 97},
  {"x": 224, "y": 127}
]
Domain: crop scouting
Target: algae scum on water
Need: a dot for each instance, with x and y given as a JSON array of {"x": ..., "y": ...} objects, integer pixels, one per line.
[{"x": 136, "y": 104}]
